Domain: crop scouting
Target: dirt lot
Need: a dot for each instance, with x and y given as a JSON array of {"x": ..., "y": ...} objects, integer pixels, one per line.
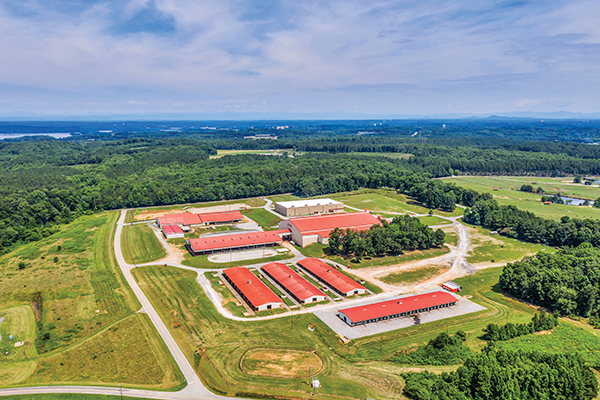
[
  {"x": 146, "y": 215},
  {"x": 280, "y": 362}
]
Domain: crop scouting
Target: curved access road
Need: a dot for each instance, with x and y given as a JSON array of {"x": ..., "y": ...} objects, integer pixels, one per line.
[{"x": 194, "y": 389}]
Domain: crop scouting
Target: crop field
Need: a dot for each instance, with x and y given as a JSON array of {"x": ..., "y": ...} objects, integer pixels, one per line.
[
  {"x": 262, "y": 217},
  {"x": 486, "y": 247},
  {"x": 509, "y": 194},
  {"x": 349, "y": 368},
  {"x": 63, "y": 294},
  {"x": 140, "y": 244}
]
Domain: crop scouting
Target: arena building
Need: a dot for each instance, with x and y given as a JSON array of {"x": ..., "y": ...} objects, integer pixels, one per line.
[
  {"x": 298, "y": 287},
  {"x": 258, "y": 296},
  {"x": 172, "y": 231},
  {"x": 236, "y": 242},
  {"x": 331, "y": 277},
  {"x": 192, "y": 219},
  {"x": 308, "y": 207},
  {"x": 316, "y": 229},
  {"x": 397, "y": 308}
]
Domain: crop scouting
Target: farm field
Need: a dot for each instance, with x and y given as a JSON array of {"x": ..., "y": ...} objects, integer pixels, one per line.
[
  {"x": 486, "y": 247},
  {"x": 140, "y": 244},
  {"x": 65, "y": 297},
  {"x": 509, "y": 194},
  {"x": 222, "y": 153}
]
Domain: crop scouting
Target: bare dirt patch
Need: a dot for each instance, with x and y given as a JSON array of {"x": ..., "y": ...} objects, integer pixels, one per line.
[
  {"x": 147, "y": 215},
  {"x": 280, "y": 363}
]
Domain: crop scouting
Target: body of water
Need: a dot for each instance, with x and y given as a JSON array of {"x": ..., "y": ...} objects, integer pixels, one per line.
[
  {"x": 18, "y": 135},
  {"x": 574, "y": 202}
]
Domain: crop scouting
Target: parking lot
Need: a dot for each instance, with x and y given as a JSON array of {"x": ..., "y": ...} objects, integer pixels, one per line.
[{"x": 329, "y": 316}]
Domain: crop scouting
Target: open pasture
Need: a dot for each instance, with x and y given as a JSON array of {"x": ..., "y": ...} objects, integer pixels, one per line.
[
  {"x": 140, "y": 244},
  {"x": 508, "y": 193},
  {"x": 63, "y": 294}
]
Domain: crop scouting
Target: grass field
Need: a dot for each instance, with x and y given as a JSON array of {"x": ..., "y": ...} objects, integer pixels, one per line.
[
  {"x": 140, "y": 244},
  {"x": 67, "y": 396},
  {"x": 486, "y": 247},
  {"x": 262, "y": 217},
  {"x": 509, "y": 194},
  {"x": 203, "y": 263},
  {"x": 417, "y": 275},
  {"x": 73, "y": 278},
  {"x": 451, "y": 237},
  {"x": 429, "y": 221},
  {"x": 222, "y": 153}
]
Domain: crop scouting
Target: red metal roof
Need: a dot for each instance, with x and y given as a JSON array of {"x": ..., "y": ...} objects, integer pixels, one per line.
[
  {"x": 224, "y": 216},
  {"x": 256, "y": 292},
  {"x": 197, "y": 219},
  {"x": 293, "y": 282},
  {"x": 171, "y": 229},
  {"x": 181, "y": 218},
  {"x": 236, "y": 240},
  {"x": 319, "y": 224},
  {"x": 398, "y": 306},
  {"x": 330, "y": 275}
]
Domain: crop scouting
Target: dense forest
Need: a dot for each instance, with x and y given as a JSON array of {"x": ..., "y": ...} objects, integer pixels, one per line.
[
  {"x": 403, "y": 233},
  {"x": 526, "y": 226},
  {"x": 567, "y": 282},
  {"x": 508, "y": 375}
]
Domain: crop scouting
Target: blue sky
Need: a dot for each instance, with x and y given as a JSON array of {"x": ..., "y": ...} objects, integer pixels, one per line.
[{"x": 367, "y": 57}]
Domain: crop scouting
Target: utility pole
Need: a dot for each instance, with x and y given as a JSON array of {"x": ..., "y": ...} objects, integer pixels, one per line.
[{"x": 121, "y": 390}]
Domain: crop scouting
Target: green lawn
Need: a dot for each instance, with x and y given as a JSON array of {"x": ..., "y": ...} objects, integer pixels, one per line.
[
  {"x": 509, "y": 194},
  {"x": 202, "y": 261},
  {"x": 262, "y": 217},
  {"x": 429, "y": 221},
  {"x": 451, "y": 238},
  {"x": 87, "y": 311},
  {"x": 373, "y": 288},
  {"x": 488, "y": 247},
  {"x": 66, "y": 396},
  {"x": 221, "y": 153},
  {"x": 140, "y": 245},
  {"x": 389, "y": 260}
]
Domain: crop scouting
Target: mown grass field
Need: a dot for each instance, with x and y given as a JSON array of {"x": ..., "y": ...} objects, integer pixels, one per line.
[
  {"x": 222, "y": 153},
  {"x": 140, "y": 244},
  {"x": 262, "y": 217},
  {"x": 430, "y": 221},
  {"x": 67, "y": 396},
  {"x": 486, "y": 247},
  {"x": 73, "y": 278},
  {"x": 509, "y": 194}
]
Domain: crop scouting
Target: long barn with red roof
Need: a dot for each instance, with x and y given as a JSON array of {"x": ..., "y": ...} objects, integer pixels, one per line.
[
  {"x": 340, "y": 283},
  {"x": 298, "y": 287},
  {"x": 258, "y": 296},
  {"x": 236, "y": 242},
  {"x": 194, "y": 219},
  {"x": 397, "y": 308},
  {"x": 316, "y": 229}
]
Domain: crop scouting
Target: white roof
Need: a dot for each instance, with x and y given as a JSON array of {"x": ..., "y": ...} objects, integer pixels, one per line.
[
  {"x": 307, "y": 203},
  {"x": 452, "y": 284}
]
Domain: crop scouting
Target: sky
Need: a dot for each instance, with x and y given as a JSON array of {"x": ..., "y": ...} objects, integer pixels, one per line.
[{"x": 371, "y": 57}]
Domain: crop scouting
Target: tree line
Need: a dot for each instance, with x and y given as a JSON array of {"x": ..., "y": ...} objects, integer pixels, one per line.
[
  {"x": 540, "y": 322},
  {"x": 567, "y": 281},
  {"x": 403, "y": 233}
]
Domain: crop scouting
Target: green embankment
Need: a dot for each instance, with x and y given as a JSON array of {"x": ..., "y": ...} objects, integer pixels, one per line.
[
  {"x": 262, "y": 217},
  {"x": 140, "y": 245},
  {"x": 66, "y": 298}
]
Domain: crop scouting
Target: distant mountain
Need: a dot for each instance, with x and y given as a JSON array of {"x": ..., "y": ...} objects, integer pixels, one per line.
[{"x": 288, "y": 116}]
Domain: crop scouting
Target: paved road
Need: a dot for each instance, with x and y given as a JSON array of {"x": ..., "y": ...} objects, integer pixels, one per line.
[
  {"x": 267, "y": 207},
  {"x": 194, "y": 388}
]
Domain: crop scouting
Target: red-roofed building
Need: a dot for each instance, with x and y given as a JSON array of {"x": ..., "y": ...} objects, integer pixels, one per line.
[
  {"x": 333, "y": 278},
  {"x": 316, "y": 229},
  {"x": 191, "y": 219},
  {"x": 258, "y": 296},
  {"x": 238, "y": 241},
  {"x": 172, "y": 231},
  {"x": 397, "y": 308},
  {"x": 298, "y": 287}
]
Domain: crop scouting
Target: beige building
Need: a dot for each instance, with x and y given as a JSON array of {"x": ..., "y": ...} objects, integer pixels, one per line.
[{"x": 308, "y": 207}]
